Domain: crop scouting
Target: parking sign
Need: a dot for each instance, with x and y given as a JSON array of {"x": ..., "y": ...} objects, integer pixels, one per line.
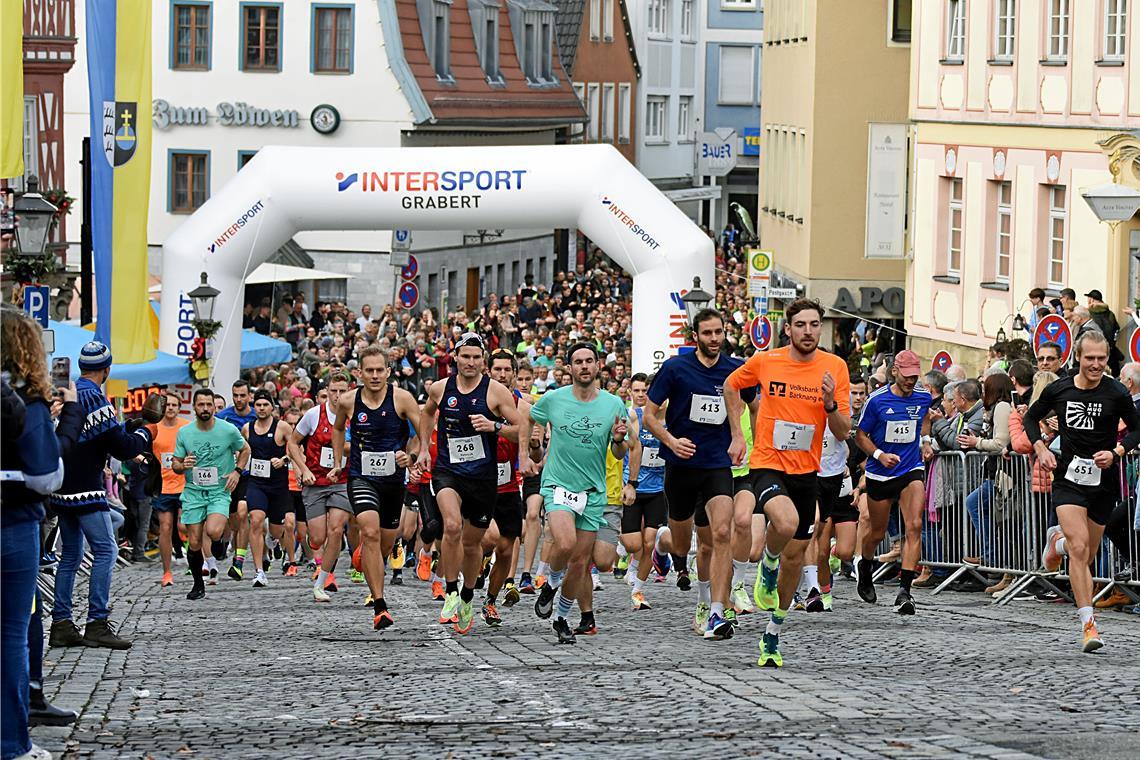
[{"x": 36, "y": 300}]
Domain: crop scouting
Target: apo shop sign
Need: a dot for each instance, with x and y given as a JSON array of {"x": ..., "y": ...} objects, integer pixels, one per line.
[{"x": 227, "y": 114}]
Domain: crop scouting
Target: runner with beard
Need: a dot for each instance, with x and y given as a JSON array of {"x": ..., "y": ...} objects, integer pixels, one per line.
[
  {"x": 686, "y": 412},
  {"x": 800, "y": 395}
]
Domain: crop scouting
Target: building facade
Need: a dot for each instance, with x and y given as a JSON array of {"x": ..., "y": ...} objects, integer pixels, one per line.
[
  {"x": 1009, "y": 102},
  {"x": 231, "y": 77},
  {"x": 833, "y": 154},
  {"x": 732, "y": 38}
]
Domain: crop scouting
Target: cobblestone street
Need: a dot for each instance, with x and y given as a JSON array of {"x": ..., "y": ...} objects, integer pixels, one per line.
[{"x": 267, "y": 673}]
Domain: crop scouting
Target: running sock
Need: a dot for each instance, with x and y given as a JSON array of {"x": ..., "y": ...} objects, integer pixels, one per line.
[
  {"x": 704, "y": 591},
  {"x": 436, "y": 579},
  {"x": 239, "y": 558},
  {"x": 543, "y": 568},
  {"x": 1086, "y": 614},
  {"x": 379, "y": 605},
  {"x": 195, "y": 561},
  {"x": 811, "y": 575},
  {"x": 621, "y": 550},
  {"x": 865, "y": 569},
  {"x": 452, "y": 586},
  {"x": 1061, "y": 546},
  {"x": 771, "y": 561},
  {"x": 211, "y": 563},
  {"x": 466, "y": 594},
  {"x": 564, "y": 606},
  {"x": 680, "y": 563},
  {"x": 739, "y": 569},
  {"x": 218, "y": 549},
  {"x": 491, "y": 598},
  {"x": 636, "y": 584},
  {"x": 717, "y": 609},
  {"x": 906, "y": 577},
  {"x": 633, "y": 565},
  {"x": 554, "y": 578},
  {"x": 825, "y": 589},
  {"x": 322, "y": 579},
  {"x": 776, "y": 622}
]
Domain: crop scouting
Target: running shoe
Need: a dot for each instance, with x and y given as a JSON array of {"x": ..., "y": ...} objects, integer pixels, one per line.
[
  {"x": 450, "y": 612},
  {"x": 277, "y": 553},
  {"x": 730, "y": 616},
  {"x": 234, "y": 572},
  {"x": 423, "y": 567},
  {"x": 770, "y": 651},
  {"x": 639, "y": 603},
  {"x": 510, "y": 595},
  {"x": 827, "y": 601},
  {"x": 587, "y": 626},
  {"x": 319, "y": 595},
  {"x": 662, "y": 563},
  {"x": 259, "y": 580},
  {"x": 526, "y": 585},
  {"x": 798, "y": 602},
  {"x": 286, "y": 566},
  {"x": 621, "y": 566},
  {"x": 904, "y": 603},
  {"x": 331, "y": 586},
  {"x": 544, "y": 605},
  {"x": 266, "y": 563},
  {"x": 866, "y": 587},
  {"x": 197, "y": 591},
  {"x": 833, "y": 561},
  {"x": 214, "y": 577},
  {"x": 701, "y": 618},
  {"x": 382, "y": 620},
  {"x": 539, "y": 581},
  {"x": 410, "y": 559},
  {"x": 464, "y": 617},
  {"x": 1050, "y": 557},
  {"x": 368, "y": 600},
  {"x": 396, "y": 559},
  {"x": 167, "y": 579},
  {"x": 597, "y": 577},
  {"x": 356, "y": 576},
  {"x": 437, "y": 594},
  {"x": 740, "y": 601},
  {"x": 491, "y": 615},
  {"x": 814, "y": 601},
  {"x": 683, "y": 581},
  {"x": 397, "y": 578},
  {"x": 718, "y": 628},
  {"x": 316, "y": 571},
  {"x": 562, "y": 628},
  {"x": 764, "y": 591},
  {"x": 1092, "y": 640}
]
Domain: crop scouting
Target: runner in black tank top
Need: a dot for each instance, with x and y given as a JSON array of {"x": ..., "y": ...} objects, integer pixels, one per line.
[
  {"x": 379, "y": 413},
  {"x": 267, "y": 490},
  {"x": 472, "y": 410}
]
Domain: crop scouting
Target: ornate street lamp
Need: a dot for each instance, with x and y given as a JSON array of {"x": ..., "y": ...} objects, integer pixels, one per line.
[
  {"x": 203, "y": 297},
  {"x": 695, "y": 300},
  {"x": 34, "y": 215}
]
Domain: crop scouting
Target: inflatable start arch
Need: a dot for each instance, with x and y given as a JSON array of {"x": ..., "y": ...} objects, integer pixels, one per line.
[{"x": 286, "y": 190}]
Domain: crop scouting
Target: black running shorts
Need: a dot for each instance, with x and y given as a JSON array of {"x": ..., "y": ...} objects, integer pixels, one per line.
[{"x": 803, "y": 490}]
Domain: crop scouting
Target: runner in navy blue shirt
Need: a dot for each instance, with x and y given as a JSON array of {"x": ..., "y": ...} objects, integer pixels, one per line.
[
  {"x": 379, "y": 413},
  {"x": 889, "y": 431},
  {"x": 473, "y": 409},
  {"x": 688, "y": 392},
  {"x": 239, "y": 414},
  {"x": 267, "y": 494}
]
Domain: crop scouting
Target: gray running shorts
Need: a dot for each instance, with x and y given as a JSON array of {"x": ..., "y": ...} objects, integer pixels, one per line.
[{"x": 320, "y": 499}]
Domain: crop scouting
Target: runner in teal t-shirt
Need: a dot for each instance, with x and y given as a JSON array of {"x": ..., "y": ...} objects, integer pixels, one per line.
[{"x": 583, "y": 422}]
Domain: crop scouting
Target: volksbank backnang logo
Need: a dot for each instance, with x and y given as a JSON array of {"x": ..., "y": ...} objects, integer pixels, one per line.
[
  {"x": 434, "y": 189},
  {"x": 627, "y": 220}
]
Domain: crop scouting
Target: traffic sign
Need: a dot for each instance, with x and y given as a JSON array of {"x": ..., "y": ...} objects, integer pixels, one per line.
[
  {"x": 1054, "y": 328},
  {"x": 784, "y": 294},
  {"x": 1134, "y": 345},
  {"x": 760, "y": 332},
  {"x": 36, "y": 300},
  {"x": 942, "y": 361},
  {"x": 401, "y": 240},
  {"x": 411, "y": 269},
  {"x": 398, "y": 259},
  {"x": 408, "y": 296}
]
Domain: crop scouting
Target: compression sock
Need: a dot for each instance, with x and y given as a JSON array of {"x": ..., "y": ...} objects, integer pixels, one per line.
[
  {"x": 466, "y": 594},
  {"x": 776, "y": 622},
  {"x": 739, "y": 569},
  {"x": 453, "y": 587},
  {"x": 239, "y": 558},
  {"x": 194, "y": 558},
  {"x": 906, "y": 577},
  {"x": 704, "y": 591},
  {"x": 564, "y": 606}
]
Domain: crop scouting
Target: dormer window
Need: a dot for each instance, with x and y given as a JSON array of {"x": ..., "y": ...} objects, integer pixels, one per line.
[
  {"x": 532, "y": 24},
  {"x": 435, "y": 25},
  {"x": 485, "y": 26}
]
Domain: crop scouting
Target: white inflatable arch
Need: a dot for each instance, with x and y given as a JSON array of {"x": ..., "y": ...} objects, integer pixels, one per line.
[{"x": 286, "y": 190}]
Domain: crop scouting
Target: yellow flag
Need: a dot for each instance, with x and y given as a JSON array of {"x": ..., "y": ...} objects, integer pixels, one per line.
[{"x": 11, "y": 89}]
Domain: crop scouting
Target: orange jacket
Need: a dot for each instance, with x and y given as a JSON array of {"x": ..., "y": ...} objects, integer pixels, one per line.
[{"x": 1019, "y": 441}]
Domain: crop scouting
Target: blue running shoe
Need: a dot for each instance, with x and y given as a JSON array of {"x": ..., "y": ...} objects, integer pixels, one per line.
[{"x": 718, "y": 628}]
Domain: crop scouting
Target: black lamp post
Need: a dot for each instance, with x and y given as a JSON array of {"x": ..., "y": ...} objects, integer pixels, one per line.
[
  {"x": 203, "y": 297},
  {"x": 34, "y": 215},
  {"x": 695, "y": 300}
]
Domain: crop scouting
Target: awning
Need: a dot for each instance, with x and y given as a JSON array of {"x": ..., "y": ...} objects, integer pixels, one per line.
[
  {"x": 163, "y": 369},
  {"x": 258, "y": 350},
  {"x": 267, "y": 273},
  {"x": 687, "y": 194}
]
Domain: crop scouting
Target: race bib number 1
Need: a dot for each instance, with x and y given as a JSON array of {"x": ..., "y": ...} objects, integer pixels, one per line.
[
  {"x": 468, "y": 449},
  {"x": 707, "y": 410},
  {"x": 1083, "y": 472},
  {"x": 792, "y": 436},
  {"x": 575, "y": 501}
]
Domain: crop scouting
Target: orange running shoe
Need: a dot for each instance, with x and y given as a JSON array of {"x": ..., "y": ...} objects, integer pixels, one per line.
[
  {"x": 539, "y": 581},
  {"x": 382, "y": 620},
  {"x": 1092, "y": 640},
  {"x": 330, "y": 585},
  {"x": 423, "y": 567},
  {"x": 167, "y": 579},
  {"x": 437, "y": 594},
  {"x": 291, "y": 572}
]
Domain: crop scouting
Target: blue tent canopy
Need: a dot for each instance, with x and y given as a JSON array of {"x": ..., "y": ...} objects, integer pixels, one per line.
[{"x": 163, "y": 369}]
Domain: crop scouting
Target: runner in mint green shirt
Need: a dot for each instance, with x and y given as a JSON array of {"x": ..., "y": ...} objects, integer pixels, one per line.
[{"x": 583, "y": 421}]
